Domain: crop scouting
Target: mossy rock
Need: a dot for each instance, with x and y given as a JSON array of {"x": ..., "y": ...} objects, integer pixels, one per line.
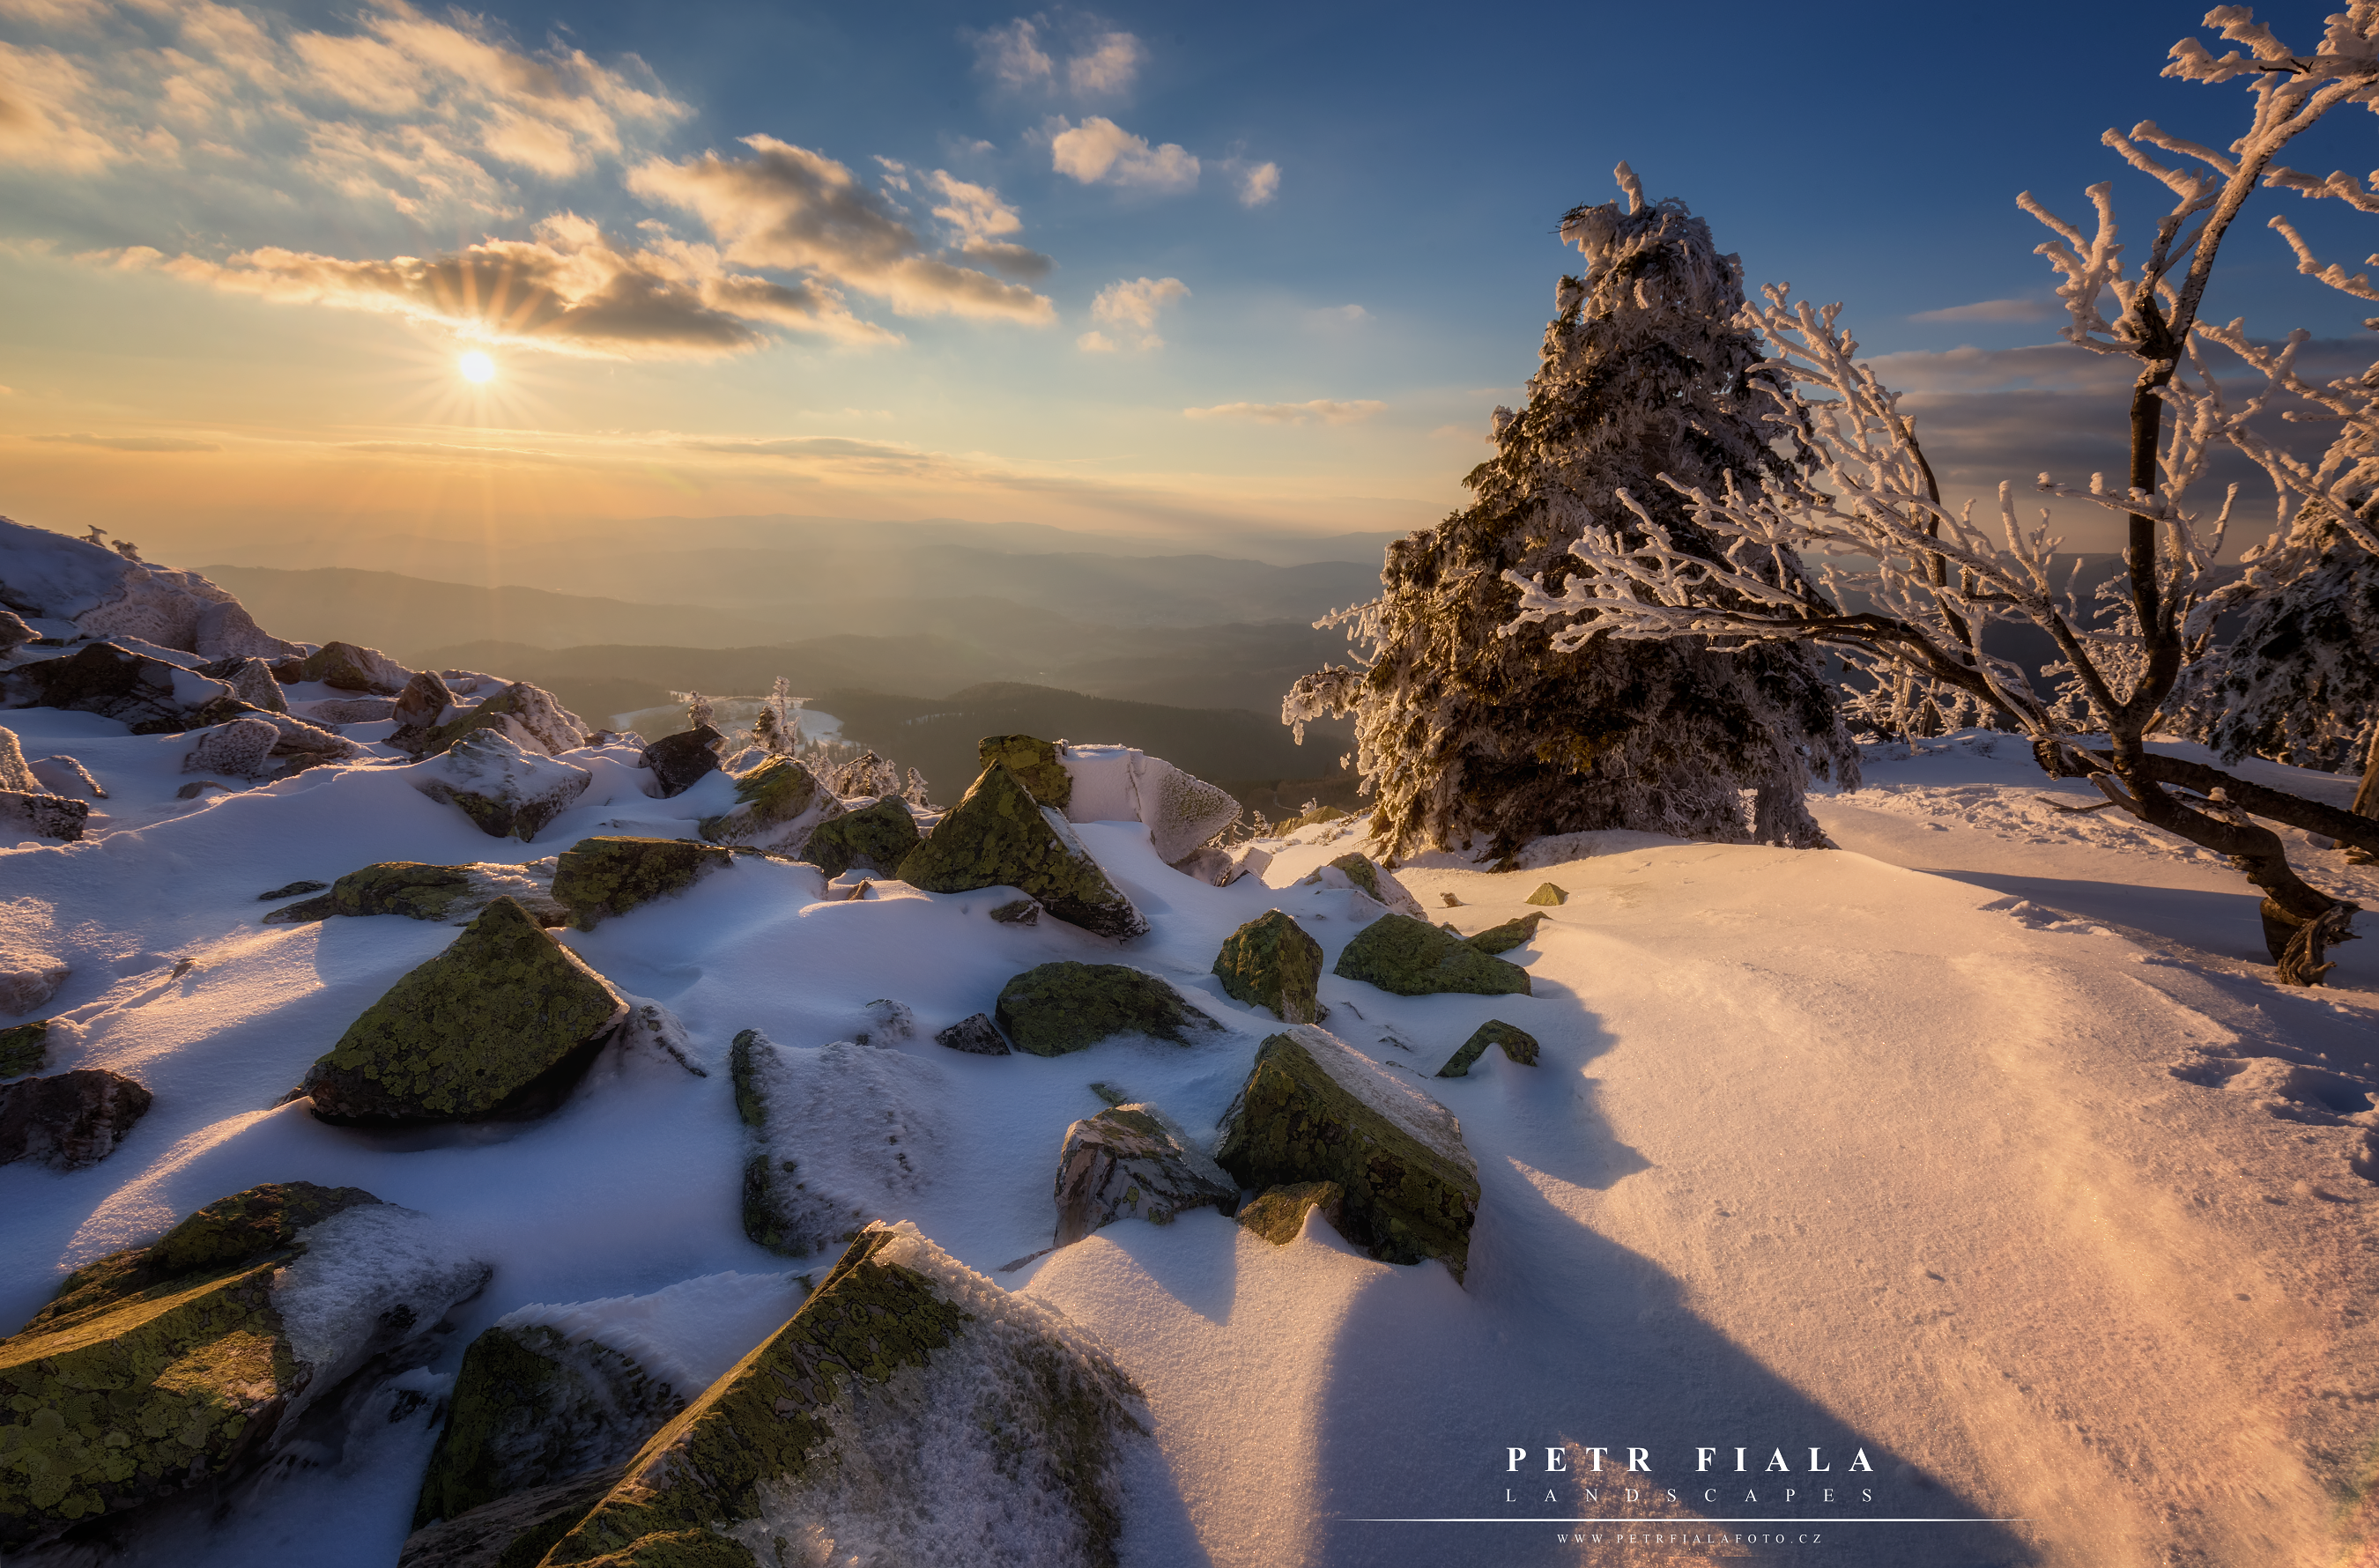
[
  {"x": 155, "y": 1368},
  {"x": 24, "y": 1048},
  {"x": 766, "y": 797},
  {"x": 1279, "y": 1215},
  {"x": 418, "y": 890},
  {"x": 1066, "y": 1006},
  {"x": 348, "y": 668},
  {"x": 1271, "y": 962},
  {"x": 840, "y": 1418},
  {"x": 878, "y": 837},
  {"x": 602, "y": 877},
  {"x": 1413, "y": 958},
  {"x": 1313, "y": 819},
  {"x": 1548, "y": 894},
  {"x": 515, "y": 1531},
  {"x": 469, "y": 1034},
  {"x": 1312, "y": 1110},
  {"x": 1362, "y": 873},
  {"x": 1510, "y": 935},
  {"x": 1519, "y": 1045},
  {"x": 1000, "y": 836},
  {"x": 1035, "y": 763},
  {"x": 1129, "y": 1162}
]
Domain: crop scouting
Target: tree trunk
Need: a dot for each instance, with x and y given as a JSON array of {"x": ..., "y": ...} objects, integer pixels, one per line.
[{"x": 2366, "y": 802}]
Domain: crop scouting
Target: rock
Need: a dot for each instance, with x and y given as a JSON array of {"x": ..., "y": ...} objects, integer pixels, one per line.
[
  {"x": 1220, "y": 867},
  {"x": 1314, "y": 1110},
  {"x": 526, "y": 715},
  {"x": 44, "y": 817},
  {"x": 191, "y": 1361},
  {"x": 1035, "y": 764},
  {"x": 242, "y": 749},
  {"x": 531, "y": 1407},
  {"x": 299, "y": 739},
  {"x": 1413, "y": 958},
  {"x": 652, "y": 1029},
  {"x": 1271, "y": 962},
  {"x": 1279, "y": 1215},
  {"x": 289, "y": 890},
  {"x": 13, "y": 774},
  {"x": 421, "y": 891},
  {"x": 14, "y": 634},
  {"x": 69, "y": 1121},
  {"x": 1182, "y": 812},
  {"x": 351, "y": 710},
  {"x": 843, "y": 1134},
  {"x": 889, "y": 1024},
  {"x": 1548, "y": 894},
  {"x": 878, "y": 837},
  {"x": 105, "y": 593},
  {"x": 1018, "y": 912},
  {"x": 28, "y": 979},
  {"x": 65, "y": 776},
  {"x": 192, "y": 791},
  {"x": 602, "y": 877},
  {"x": 1129, "y": 1163},
  {"x": 24, "y": 1048},
  {"x": 679, "y": 761},
  {"x": 998, "y": 837},
  {"x": 1450, "y": 900},
  {"x": 501, "y": 1023},
  {"x": 778, "y": 804},
  {"x": 1065, "y": 1007},
  {"x": 511, "y": 1532},
  {"x": 148, "y": 695},
  {"x": 909, "y": 1405},
  {"x": 1519, "y": 1045},
  {"x": 974, "y": 1034},
  {"x": 423, "y": 701},
  {"x": 1505, "y": 937},
  {"x": 505, "y": 789},
  {"x": 1362, "y": 874},
  {"x": 348, "y": 668},
  {"x": 250, "y": 680}
]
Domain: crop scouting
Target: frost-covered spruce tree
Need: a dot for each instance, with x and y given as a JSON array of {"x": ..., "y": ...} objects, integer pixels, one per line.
[{"x": 1470, "y": 730}]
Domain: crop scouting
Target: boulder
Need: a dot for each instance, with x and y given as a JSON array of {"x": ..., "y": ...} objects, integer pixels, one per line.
[
  {"x": 24, "y": 1048},
  {"x": 349, "y": 667},
  {"x": 1220, "y": 867},
  {"x": 909, "y": 1405},
  {"x": 1519, "y": 1045},
  {"x": 104, "y": 593},
  {"x": 242, "y": 749},
  {"x": 1035, "y": 764},
  {"x": 351, "y": 710},
  {"x": 250, "y": 680},
  {"x": 423, "y": 701},
  {"x": 69, "y": 1121},
  {"x": 1279, "y": 1215},
  {"x": 291, "y": 890},
  {"x": 44, "y": 817},
  {"x": 533, "y": 1406},
  {"x": 14, "y": 632},
  {"x": 148, "y": 695},
  {"x": 879, "y": 838},
  {"x": 1130, "y": 1162},
  {"x": 841, "y": 1134},
  {"x": 28, "y": 979},
  {"x": 1066, "y": 1006},
  {"x": 602, "y": 877},
  {"x": 513, "y": 1531},
  {"x": 1271, "y": 962},
  {"x": 776, "y": 805},
  {"x": 1548, "y": 894},
  {"x": 420, "y": 891},
  {"x": 65, "y": 776},
  {"x": 889, "y": 1024},
  {"x": 507, "y": 789},
  {"x": 679, "y": 762},
  {"x": 526, "y": 715},
  {"x": 500, "y": 1024},
  {"x": 1413, "y": 958},
  {"x": 1315, "y": 1110},
  {"x": 1510, "y": 935},
  {"x": 998, "y": 835},
  {"x": 653, "y": 1031},
  {"x": 974, "y": 1034},
  {"x": 189, "y": 1362},
  {"x": 1123, "y": 784}
]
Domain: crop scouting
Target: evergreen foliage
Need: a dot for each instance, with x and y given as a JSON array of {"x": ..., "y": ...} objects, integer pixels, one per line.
[{"x": 2297, "y": 685}]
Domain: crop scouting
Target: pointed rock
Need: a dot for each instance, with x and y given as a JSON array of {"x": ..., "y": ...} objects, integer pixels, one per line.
[
  {"x": 1413, "y": 958},
  {"x": 1510, "y": 935},
  {"x": 877, "y": 838},
  {"x": 1131, "y": 1162},
  {"x": 494, "y": 1025},
  {"x": 1066, "y": 1006},
  {"x": 680, "y": 760},
  {"x": 1518, "y": 1046},
  {"x": 1279, "y": 1215},
  {"x": 999, "y": 836},
  {"x": 602, "y": 877},
  {"x": 1271, "y": 962},
  {"x": 1035, "y": 764},
  {"x": 250, "y": 680},
  {"x": 1548, "y": 894},
  {"x": 974, "y": 1034}
]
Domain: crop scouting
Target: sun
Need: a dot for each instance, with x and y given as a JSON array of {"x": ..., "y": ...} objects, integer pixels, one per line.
[{"x": 476, "y": 368}]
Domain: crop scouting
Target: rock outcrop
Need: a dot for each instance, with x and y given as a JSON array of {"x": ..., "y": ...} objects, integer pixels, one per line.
[
  {"x": 507, "y": 789},
  {"x": 527, "y": 716},
  {"x": 501, "y": 1023},
  {"x": 146, "y": 695},
  {"x": 1066, "y": 1006},
  {"x": 999, "y": 836},
  {"x": 98, "y": 592},
  {"x": 1374, "y": 881},
  {"x": 347, "y": 667},
  {"x": 419, "y": 890},
  {"x": 69, "y": 1121},
  {"x": 1315, "y": 1110},
  {"x": 1519, "y": 1045},
  {"x": 1271, "y": 962},
  {"x": 43, "y": 816},
  {"x": 776, "y": 804},
  {"x": 843, "y": 1432},
  {"x": 841, "y": 1134},
  {"x": 1130, "y": 1162},
  {"x": 1279, "y": 1215},
  {"x": 1413, "y": 958},
  {"x": 680, "y": 760},
  {"x": 875, "y": 838},
  {"x": 602, "y": 877},
  {"x": 1035, "y": 764}
]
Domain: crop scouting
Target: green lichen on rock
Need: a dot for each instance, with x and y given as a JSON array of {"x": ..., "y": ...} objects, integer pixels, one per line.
[
  {"x": 349, "y": 668},
  {"x": 766, "y": 797},
  {"x": 1505, "y": 937},
  {"x": 602, "y": 877},
  {"x": 154, "y": 1369},
  {"x": 1035, "y": 763},
  {"x": 745, "y": 1074},
  {"x": 502, "y": 1007},
  {"x": 515, "y": 1531},
  {"x": 24, "y": 1048},
  {"x": 1312, "y": 1110},
  {"x": 532, "y": 1407},
  {"x": 878, "y": 837},
  {"x": 1413, "y": 958},
  {"x": 1271, "y": 962},
  {"x": 1067, "y": 1005},
  {"x": 1548, "y": 894},
  {"x": 1000, "y": 836},
  {"x": 836, "y": 1429},
  {"x": 1519, "y": 1045},
  {"x": 1279, "y": 1215},
  {"x": 1361, "y": 873},
  {"x": 418, "y": 890}
]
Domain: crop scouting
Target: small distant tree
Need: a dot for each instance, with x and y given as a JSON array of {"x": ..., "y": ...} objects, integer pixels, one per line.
[
  {"x": 1471, "y": 723},
  {"x": 1933, "y": 582},
  {"x": 699, "y": 712}
]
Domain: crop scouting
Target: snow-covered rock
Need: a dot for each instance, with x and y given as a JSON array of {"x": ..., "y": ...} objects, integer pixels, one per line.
[
  {"x": 1000, "y": 836},
  {"x": 65, "y": 776},
  {"x": 506, "y": 788},
  {"x": 1131, "y": 1162},
  {"x": 454, "y": 894},
  {"x": 680, "y": 760},
  {"x": 1065, "y": 1007},
  {"x": 843, "y": 1134},
  {"x": 103, "y": 593},
  {"x": 530, "y": 715},
  {"x": 68, "y": 1120},
  {"x": 241, "y": 749},
  {"x": 1124, "y": 784},
  {"x": 28, "y": 978},
  {"x": 149, "y": 695},
  {"x": 776, "y": 804}
]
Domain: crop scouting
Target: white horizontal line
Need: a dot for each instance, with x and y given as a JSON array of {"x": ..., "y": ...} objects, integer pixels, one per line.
[{"x": 1688, "y": 1523}]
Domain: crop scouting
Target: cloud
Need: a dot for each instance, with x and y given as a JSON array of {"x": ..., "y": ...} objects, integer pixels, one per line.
[
  {"x": 1320, "y": 410},
  {"x": 1011, "y": 56},
  {"x": 134, "y": 444},
  {"x": 571, "y": 290},
  {"x": 1333, "y": 315},
  {"x": 1107, "y": 68},
  {"x": 1101, "y": 151},
  {"x": 1101, "y": 62},
  {"x": 790, "y": 209},
  {"x": 977, "y": 217},
  {"x": 1259, "y": 184},
  {"x": 1130, "y": 305},
  {"x": 1992, "y": 311}
]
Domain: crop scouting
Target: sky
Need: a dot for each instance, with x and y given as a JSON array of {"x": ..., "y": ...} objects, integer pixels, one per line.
[{"x": 1195, "y": 273}]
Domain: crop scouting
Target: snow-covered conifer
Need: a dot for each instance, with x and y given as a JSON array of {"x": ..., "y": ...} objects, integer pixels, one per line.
[{"x": 2298, "y": 683}]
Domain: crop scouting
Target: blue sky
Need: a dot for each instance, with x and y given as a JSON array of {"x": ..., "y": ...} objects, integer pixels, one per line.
[{"x": 1196, "y": 271}]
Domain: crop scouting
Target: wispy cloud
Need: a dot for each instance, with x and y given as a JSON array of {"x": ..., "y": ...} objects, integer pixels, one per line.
[
  {"x": 1991, "y": 310},
  {"x": 134, "y": 444},
  {"x": 978, "y": 218},
  {"x": 1099, "y": 151},
  {"x": 1021, "y": 56},
  {"x": 1317, "y": 411},
  {"x": 1259, "y": 184},
  {"x": 1130, "y": 305}
]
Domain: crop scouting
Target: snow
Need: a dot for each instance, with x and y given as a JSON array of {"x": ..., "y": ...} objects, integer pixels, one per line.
[
  {"x": 365, "y": 1272},
  {"x": 1984, "y": 1145}
]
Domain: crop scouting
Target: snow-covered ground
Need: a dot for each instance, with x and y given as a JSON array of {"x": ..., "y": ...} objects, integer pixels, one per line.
[{"x": 1975, "y": 1171}]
